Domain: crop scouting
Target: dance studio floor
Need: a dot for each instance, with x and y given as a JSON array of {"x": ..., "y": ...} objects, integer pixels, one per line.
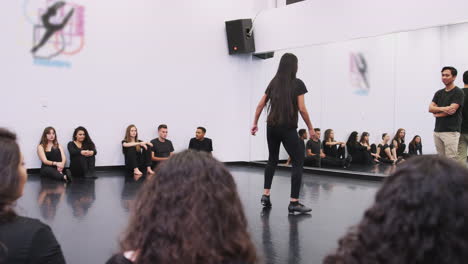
[{"x": 88, "y": 216}]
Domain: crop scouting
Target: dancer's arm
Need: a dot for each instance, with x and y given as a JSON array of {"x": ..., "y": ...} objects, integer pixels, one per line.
[{"x": 258, "y": 112}]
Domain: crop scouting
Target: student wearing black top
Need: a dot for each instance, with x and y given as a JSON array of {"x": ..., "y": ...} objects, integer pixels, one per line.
[
  {"x": 331, "y": 147},
  {"x": 23, "y": 240},
  {"x": 82, "y": 153},
  {"x": 415, "y": 146},
  {"x": 446, "y": 106},
  {"x": 137, "y": 153},
  {"x": 316, "y": 157},
  {"x": 303, "y": 137},
  {"x": 398, "y": 144},
  {"x": 373, "y": 148},
  {"x": 285, "y": 97},
  {"x": 463, "y": 142},
  {"x": 53, "y": 158},
  {"x": 384, "y": 151},
  {"x": 360, "y": 154},
  {"x": 201, "y": 222},
  {"x": 200, "y": 142},
  {"x": 313, "y": 150},
  {"x": 162, "y": 147}
]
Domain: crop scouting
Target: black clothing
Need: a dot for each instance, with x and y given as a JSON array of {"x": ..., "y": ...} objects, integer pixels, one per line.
[
  {"x": 79, "y": 164},
  {"x": 292, "y": 143},
  {"x": 415, "y": 149},
  {"x": 299, "y": 89},
  {"x": 161, "y": 149},
  {"x": 453, "y": 122},
  {"x": 464, "y": 125},
  {"x": 313, "y": 161},
  {"x": 400, "y": 149},
  {"x": 50, "y": 171},
  {"x": 136, "y": 159},
  {"x": 203, "y": 145},
  {"x": 335, "y": 151},
  {"x": 29, "y": 241},
  {"x": 383, "y": 156},
  {"x": 359, "y": 153}
]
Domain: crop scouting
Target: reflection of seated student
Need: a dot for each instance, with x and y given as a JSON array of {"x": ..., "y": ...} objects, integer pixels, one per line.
[
  {"x": 200, "y": 142},
  {"x": 81, "y": 196},
  {"x": 162, "y": 147},
  {"x": 331, "y": 147},
  {"x": 415, "y": 146},
  {"x": 384, "y": 151},
  {"x": 137, "y": 153},
  {"x": 82, "y": 153},
  {"x": 359, "y": 153},
  {"x": 302, "y": 136},
  {"x": 318, "y": 154},
  {"x": 373, "y": 148},
  {"x": 313, "y": 151},
  {"x": 130, "y": 190},
  {"x": 50, "y": 195}
]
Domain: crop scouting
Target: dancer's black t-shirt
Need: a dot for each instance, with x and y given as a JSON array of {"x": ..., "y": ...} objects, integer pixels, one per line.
[
  {"x": 314, "y": 146},
  {"x": 299, "y": 89},
  {"x": 442, "y": 98},
  {"x": 162, "y": 149},
  {"x": 201, "y": 145}
]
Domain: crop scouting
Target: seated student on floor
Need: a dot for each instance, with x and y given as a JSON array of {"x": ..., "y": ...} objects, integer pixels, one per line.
[
  {"x": 373, "y": 148},
  {"x": 312, "y": 158},
  {"x": 200, "y": 142},
  {"x": 53, "y": 158},
  {"x": 162, "y": 147},
  {"x": 398, "y": 144},
  {"x": 202, "y": 221},
  {"x": 419, "y": 216},
  {"x": 360, "y": 154},
  {"x": 23, "y": 240},
  {"x": 331, "y": 147},
  {"x": 82, "y": 154},
  {"x": 323, "y": 159},
  {"x": 415, "y": 146},
  {"x": 384, "y": 151},
  {"x": 137, "y": 153},
  {"x": 302, "y": 136}
]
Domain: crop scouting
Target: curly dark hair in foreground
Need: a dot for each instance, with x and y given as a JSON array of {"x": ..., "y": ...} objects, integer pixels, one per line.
[
  {"x": 420, "y": 216},
  {"x": 189, "y": 213}
]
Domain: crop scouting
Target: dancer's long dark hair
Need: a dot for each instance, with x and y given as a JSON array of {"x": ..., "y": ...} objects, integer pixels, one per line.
[
  {"x": 44, "y": 139},
  {"x": 88, "y": 143},
  {"x": 189, "y": 213},
  {"x": 397, "y": 136},
  {"x": 10, "y": 158},
  {"x": 363, "y": 138},
  {"x": 420, "y": 216},
  {"x": 327, "y": 137},
  {"x": 280, "y": 91}
]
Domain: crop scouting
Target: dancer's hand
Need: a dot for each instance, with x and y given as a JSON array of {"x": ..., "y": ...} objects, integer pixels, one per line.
[
  {"x": 311, "y": 133},
  {"x": 254, "y": 130}
]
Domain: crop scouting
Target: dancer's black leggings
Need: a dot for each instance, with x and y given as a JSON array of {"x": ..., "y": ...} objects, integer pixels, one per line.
[
  {"x": 134, "y": 159},
  {"x": 292, "y": 144}
]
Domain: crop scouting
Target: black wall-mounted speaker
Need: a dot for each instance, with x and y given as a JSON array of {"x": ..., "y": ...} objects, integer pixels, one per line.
[{"x": 239, "y": 40}]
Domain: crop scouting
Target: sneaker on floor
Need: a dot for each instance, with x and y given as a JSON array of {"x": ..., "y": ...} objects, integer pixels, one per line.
[
  {"x": 265, "y": 201},
  {"x": 298, "y": 207}
]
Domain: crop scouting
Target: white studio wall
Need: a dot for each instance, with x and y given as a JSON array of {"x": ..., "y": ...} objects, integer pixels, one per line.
[
  {"x": 143, "y": 62},
  {"x": 318, "y": 22},
  {"x": 402, "y": 71}
]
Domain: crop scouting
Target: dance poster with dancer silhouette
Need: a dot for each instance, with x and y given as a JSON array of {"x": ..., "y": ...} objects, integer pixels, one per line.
[
  {"x": 58, "y": 31},
  {"x": 359, "y": 74}
]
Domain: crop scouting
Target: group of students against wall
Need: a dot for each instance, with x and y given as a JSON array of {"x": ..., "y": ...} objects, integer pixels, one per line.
[
  {"x": 410, "y": 221},
  {"x": 331, "y": 152},
  {"x": 139, "y": 155}
]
